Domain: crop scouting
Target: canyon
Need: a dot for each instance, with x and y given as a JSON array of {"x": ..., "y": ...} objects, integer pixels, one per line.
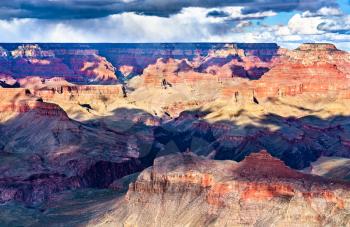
[{"x": 202, "y": 134}]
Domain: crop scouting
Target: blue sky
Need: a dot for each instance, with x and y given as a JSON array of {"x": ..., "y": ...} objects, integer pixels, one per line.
[{"x": 287, "y": 22}]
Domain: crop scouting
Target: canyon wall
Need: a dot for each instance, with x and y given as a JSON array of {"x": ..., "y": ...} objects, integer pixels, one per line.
[{"x": 184, "y": 189}]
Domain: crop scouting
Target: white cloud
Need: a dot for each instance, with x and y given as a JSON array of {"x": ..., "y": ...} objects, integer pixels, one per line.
[
  {"x": 336, "y": 25},
  {"x": 304, "y": 25},
  {"x": 324, "y": 11}
]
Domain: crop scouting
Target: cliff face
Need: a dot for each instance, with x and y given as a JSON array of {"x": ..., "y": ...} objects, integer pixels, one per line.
[
  {"x": 259, "y": 190},
  {"x": 44, "y": 152},
  {"x": 77, "y": 66},
  {"x": 310, "y": 73},
  {"x": 224, "y": 64},
  {"x": 310, "y": 69},
  {"x": 104, "y": 63}
]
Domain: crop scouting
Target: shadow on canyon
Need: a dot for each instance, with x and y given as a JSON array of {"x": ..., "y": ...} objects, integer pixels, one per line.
[
  {"x": 296, "y": 141},
  {"x": 253, "y": 73}
]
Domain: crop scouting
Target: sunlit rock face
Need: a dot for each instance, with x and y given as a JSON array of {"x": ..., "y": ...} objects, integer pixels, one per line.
[
  {"x": 224, "y": 64},
  {"x": 260, "y": 189}
]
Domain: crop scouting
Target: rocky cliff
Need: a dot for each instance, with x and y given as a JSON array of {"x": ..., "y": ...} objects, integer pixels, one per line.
[
  {"x": 103, "y": 63},
  {"x": 77, "y": 66},
  {"x": 184, "y": 189},
  {"x": 53, "y": 153}
]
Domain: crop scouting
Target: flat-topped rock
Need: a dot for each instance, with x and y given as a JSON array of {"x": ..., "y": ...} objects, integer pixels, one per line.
[{"x": 317, "y": 47}]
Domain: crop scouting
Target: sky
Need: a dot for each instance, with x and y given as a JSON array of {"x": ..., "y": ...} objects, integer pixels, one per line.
[{"x": 286, "y": 22}]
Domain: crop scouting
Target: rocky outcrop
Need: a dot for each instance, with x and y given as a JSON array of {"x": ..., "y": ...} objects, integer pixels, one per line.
[
  {"x": 4, "y": 63},
  {"x": 31, "y": 51},
  {"x": 126, "y": 70},
  {"x": 230, "y": 61},
  {"x": 37, "y": 83},
  {"x": 3, "y": 53},
  {"x": 38, "y": 188},
  {"x": 258, "y": 190},
  {"x": 330, "y": 167},
  {"x": 8, "y": 82},
  {"x": 56, "y": 152},
  {"x": 16, "y": 101},
  {"x": 79, "y": 66},
  {"x": 94, "y": 67},
  {"x": 317, "y": 47},
  {"x": 76, "y": 98},
  {"x": 317, "y": 69}
]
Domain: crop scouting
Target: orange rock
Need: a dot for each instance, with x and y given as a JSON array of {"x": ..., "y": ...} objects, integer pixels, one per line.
[{"x": 266, "y": 191}]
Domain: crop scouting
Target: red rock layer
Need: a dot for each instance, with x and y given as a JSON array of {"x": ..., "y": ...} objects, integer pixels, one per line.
[
  {"x": 26, "y": 102},
  {"x": 311, "y": 69},
  {"x": 258, "y": 176},
  {"x": 257, "y": 184},
  {"x": 87, "y": 91}
]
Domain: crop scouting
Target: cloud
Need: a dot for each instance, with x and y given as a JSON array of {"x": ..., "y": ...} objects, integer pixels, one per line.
[
  {"x": 339, "y": 25},
  {"x": 323, "y": 12},
  {"x": 301, "y": 25},
  {"x": 217, "y": 13},
  {"x": 288, "y": 5},
  {"x": 88, "y": 9},
  {"x": 236, "y": 13}
]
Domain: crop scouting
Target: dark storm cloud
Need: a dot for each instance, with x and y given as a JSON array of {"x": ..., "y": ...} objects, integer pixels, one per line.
[
  {"x": 217, "y": 13},
  {"x": 79, "y": 9},
  {"x": 288, "y": 5}
]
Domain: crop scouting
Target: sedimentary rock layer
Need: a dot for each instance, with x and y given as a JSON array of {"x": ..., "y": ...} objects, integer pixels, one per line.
[{"x": 184, "y": 189}]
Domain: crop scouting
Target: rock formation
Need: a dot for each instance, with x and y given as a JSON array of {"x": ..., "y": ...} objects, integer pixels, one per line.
[
  {"x": 184, "y": 189},
  {"x": 41, "y": 135},
  {"x": 3, "y": 53},
  {"x": 31, "y": 51},
  {"x": 78, "y": 66}
]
